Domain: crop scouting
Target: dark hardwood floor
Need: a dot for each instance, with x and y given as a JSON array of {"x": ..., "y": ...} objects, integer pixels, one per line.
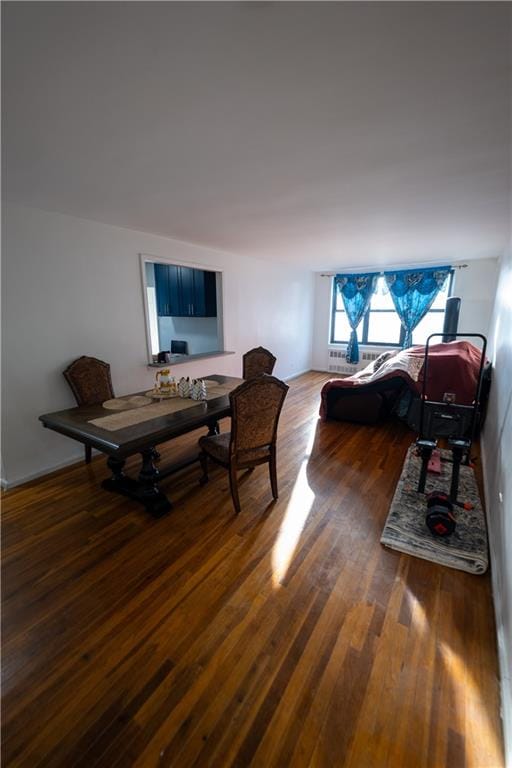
[{"x": 286, "y": 636}]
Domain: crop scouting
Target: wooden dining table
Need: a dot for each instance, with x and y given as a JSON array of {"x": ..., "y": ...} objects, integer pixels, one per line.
[{"x": 128, "y": 431}]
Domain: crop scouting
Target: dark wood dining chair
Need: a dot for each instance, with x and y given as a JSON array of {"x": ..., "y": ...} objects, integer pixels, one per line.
[
  {"x": 256, "y": 361},
  {"x": 91, "y": 383},
  {"x": 255, "y": 408}
]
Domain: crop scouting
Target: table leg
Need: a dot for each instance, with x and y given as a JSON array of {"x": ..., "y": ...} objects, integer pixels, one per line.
[
  {"x": 116, "y": 466},
  {"x": 213, "y": 428},
  {"x": 145, "y": 489},
  {"x": 151, "y": 496}
]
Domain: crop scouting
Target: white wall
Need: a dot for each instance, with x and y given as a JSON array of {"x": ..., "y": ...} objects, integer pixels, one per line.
[
  {"x": 73, "y": 287},
  {"x": 475, "y": 284},
  {"x": 321, "y": 322},
  {"x": 497, "y": 455}
]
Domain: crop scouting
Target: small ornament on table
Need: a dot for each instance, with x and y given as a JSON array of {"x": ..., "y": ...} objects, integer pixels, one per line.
[
  {"x": 194, "y": 390},
  {"x": 165, "y": 384},
  {"x": 198, "y": 390},
  {"x": 184, "y": 387}
]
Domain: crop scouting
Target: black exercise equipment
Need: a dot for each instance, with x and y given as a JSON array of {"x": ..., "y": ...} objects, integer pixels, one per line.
[
  {"x": 425, "y": 448},
  {"x": 451, "y": 419},
  {"x": 457, "y": 423},
  {"x": 440, "y": 518},
  {"x": 451, "y": 318}
]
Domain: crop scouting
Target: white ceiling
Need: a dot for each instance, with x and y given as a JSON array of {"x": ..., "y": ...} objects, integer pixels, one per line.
[{"x": 322, "y": 134}]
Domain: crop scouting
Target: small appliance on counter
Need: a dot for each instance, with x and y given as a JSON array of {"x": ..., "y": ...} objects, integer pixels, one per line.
[{"x": 179, "y": 347}]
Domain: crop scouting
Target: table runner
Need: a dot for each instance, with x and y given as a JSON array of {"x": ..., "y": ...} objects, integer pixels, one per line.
[
  {"x": 127, "y": 403},
  {"x": 129, "y": 418}
]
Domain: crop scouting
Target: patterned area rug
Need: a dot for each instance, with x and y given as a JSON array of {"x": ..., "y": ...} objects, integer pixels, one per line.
[{"x": 406, "y": 531}]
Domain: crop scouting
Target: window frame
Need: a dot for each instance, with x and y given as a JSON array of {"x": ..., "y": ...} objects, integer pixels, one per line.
[
  {"x": 366, "y": 319},
  {"x": 151, "y": 311}
]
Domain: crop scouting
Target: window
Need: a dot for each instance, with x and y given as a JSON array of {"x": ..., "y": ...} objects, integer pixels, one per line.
[
  {"x": 381, "y": 325},
  {"x": 183, "y": 309}
]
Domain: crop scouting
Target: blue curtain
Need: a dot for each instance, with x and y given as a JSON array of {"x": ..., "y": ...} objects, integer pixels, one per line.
[
  {"x": 413, "y": 293},
  {"x": 356, "y": 292}
]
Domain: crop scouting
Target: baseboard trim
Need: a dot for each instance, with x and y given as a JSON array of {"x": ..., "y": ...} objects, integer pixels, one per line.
[
  {"x": 8, "y": 485},
  {"x": 503, "y": 661},
  {"x": 296, "y": 375}
]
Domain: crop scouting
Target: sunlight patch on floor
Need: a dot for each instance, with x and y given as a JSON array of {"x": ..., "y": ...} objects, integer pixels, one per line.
[
  {"x": 295, "y": 517},
  {"x": 419, "y": 620},
  {"x": 483, "y": 744}
]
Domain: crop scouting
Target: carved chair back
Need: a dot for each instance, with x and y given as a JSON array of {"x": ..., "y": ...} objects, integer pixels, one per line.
[
  {"x": 255, "y": 409},
  {"x": 90, "y": 380},
  {"x": 256, "y": 361}
]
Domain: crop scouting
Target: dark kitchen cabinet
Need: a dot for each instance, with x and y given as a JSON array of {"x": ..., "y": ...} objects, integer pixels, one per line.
[
  {"x": 198, "y": 293},
  {"x": 210, "y": 294},
  {"x": 185, "y": 292},
  {"x": 167, "y": 289}
]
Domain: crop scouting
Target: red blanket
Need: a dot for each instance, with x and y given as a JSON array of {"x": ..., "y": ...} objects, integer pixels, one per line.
[{"x": 452, "y": 367}]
